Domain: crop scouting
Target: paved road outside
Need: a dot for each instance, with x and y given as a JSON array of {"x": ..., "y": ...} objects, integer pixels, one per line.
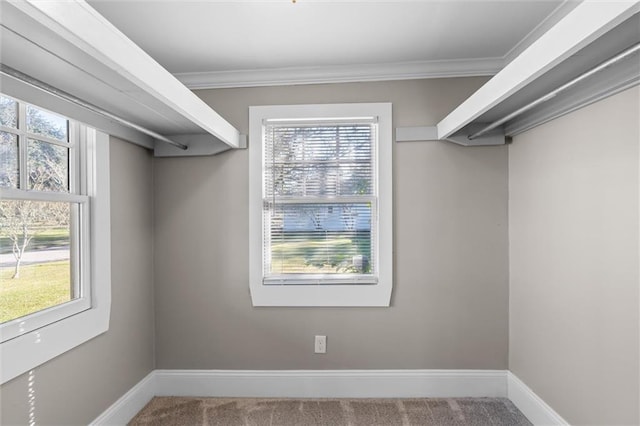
[{"x": 36, "y": 256}]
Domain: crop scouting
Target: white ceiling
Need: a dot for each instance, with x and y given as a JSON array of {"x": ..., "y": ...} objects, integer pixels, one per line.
[{"x": 230, "y": 36}]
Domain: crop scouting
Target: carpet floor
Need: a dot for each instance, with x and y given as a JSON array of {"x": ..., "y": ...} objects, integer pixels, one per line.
[{"x": 180, "y": 411}]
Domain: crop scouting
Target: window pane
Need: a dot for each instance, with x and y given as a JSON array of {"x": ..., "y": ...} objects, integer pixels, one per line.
[
  {"x": 320, "y": 239},
  {"x": 8, "y": 112},
  {"x": 327, "y": 160},
  {"x": 35, "y": 267},
  {"x": 9, "y": 172},
  {"x": 48, "y": 124},
  {"x": 318, "y": 180},
  {"x": 48, "y": 166}
]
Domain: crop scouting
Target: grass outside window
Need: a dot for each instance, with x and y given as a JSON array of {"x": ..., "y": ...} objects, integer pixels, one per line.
[
  {"x": 40, "y": 286},
  {"x": 317, "y": 253}
]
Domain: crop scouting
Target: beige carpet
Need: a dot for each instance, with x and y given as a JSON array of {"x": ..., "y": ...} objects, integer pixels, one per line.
[{"x": 329, "y": 412}]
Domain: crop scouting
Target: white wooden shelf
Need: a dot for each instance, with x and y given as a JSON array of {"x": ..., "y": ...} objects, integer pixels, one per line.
[
  {"x": 71, "y": 47},
  {"x": 589, "y": 35}
]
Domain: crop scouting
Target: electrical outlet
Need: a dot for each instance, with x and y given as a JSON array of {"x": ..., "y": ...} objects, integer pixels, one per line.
[{"x": 321, "y": 345}]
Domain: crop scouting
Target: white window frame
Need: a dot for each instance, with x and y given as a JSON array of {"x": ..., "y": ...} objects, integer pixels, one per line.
[
  {"x": 79, "y": 224},
  {"x": 348, "y": 294},
  {"x": 46, "y": 334}
]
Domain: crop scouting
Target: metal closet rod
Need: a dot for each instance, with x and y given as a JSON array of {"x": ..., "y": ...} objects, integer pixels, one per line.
[
  {"x": 620, "y": 56},
  {"x": 12, "y": 72}
]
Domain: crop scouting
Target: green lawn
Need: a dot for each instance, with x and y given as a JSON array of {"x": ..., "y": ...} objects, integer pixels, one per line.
[
  {"x": 321, "y": 254},
  {"x": 311, "y": 257},
  {"x": 39, "y": 286}
]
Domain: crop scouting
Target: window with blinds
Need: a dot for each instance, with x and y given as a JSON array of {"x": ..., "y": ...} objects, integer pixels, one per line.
[
  {"x": 320, "y": 201},
  {"x": 320, "y": 204}
]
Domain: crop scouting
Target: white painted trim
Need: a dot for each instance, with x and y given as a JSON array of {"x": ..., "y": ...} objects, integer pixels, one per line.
[
  {"x": 29, "y": 350},
  {"x": 341, "y": 74},
  {"x": 531, "y": 405},
  {"x": 130, "y": 404},
  {"x": 581, "y": 26},
  {"x": 17, "y": 194},
  {"x": 421, "y": 133},
  {"x": 545, "y": 25},
  {"x": 305, "y": 384},
  {"x": 82, "y": 26},
  {"x": 332, "y": 383}
]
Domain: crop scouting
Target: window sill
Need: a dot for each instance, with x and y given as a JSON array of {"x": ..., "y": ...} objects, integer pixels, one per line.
[{"x": 378, "y": 295}]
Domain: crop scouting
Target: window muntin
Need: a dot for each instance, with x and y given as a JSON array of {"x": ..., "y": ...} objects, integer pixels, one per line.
[
  {"x": 329, "y": 190},
  {"x": 44, "y": 217}
]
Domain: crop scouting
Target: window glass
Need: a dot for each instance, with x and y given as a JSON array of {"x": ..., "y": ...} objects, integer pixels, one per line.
[
  {"x": 319, "y": 206},
  {"x": 327, "y": 160},
  {"x": 8, "y": 112},
  {"x": 48, "y": 166},
  {"x": 45, "y": 123},
  {"x": 9, "y": 169},
  {"x": 35, "y": 266},
  {"x": 320, "y": 239}
]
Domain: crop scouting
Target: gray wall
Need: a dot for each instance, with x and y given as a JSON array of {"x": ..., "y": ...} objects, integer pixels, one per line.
[
  {"x": 450, "y": 301},
  {"x": 79, "y": 385},
  {"x": 573, "y": 200}
]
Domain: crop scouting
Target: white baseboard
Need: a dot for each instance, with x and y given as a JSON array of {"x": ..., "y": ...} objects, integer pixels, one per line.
[
  {"x": 306, "y": 384},
  {"x": 531, "y": 405},
  {"x": 129, "y": 404},
  {"x": 333, "y": 383}
]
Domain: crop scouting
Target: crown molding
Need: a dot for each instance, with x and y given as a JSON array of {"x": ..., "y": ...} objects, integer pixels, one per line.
[
  {"x": 371, "y": 72},
  {"x": 341, "y": 73}
]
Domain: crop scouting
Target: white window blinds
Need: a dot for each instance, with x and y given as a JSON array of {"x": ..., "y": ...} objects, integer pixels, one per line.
[{"x": 320, "y": 201}]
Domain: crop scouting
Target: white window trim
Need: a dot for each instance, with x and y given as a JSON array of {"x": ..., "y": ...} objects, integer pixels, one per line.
[
  {"x": 80, "y": 223},
  {"x": 322, "y": 295},
  {"x": 23, "y": 353}
]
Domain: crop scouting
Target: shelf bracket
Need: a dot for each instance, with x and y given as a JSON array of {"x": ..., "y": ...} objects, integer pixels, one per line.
[
  {"x": 198, "y": 145},
  {"x": 493, "y": 137},
  {"x": 430, "y": 133}
]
